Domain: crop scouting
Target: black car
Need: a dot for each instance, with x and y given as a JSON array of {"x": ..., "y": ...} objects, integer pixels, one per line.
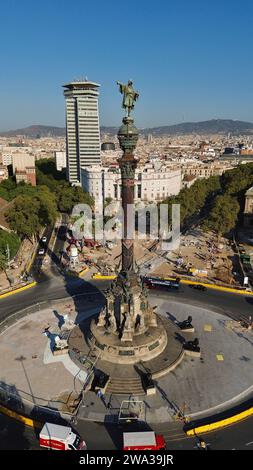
[{"x": 197, "y": 286}]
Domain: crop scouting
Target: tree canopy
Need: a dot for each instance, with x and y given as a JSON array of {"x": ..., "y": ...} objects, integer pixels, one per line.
[
  {"x": 223, "y": 216},
  {"x": 225, "y": 194},
  {"x": 36, "y": 207},
  {"x": 32, "y": 211},
  {"x": 12, "y": 241},
  {"x": 193, "y": 199}
]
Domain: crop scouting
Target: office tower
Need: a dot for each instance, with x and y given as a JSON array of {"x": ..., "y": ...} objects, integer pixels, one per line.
[{"x": 82, "y": 127}]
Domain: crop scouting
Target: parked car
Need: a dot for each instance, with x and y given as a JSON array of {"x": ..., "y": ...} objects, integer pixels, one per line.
[{"x": 197, "y": 286}]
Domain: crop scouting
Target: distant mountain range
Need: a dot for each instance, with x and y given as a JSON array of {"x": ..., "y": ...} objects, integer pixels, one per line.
[
  {"x": 214, "y": 126},
  {"x": 36, "y": 131}
]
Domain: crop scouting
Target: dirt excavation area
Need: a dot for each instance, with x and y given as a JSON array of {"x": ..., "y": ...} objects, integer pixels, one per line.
[
  {"x": 200, "y": 255},
  {"x": 204, "y": 256}
]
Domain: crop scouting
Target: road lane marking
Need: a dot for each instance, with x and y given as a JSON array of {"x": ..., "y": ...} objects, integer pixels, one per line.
[{"x": 219, "y": 357}]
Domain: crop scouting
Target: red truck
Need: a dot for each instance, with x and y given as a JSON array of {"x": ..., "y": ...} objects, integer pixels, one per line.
[
  {"x": 56, "y": 437},
  {"x": 146, "y": 440}
]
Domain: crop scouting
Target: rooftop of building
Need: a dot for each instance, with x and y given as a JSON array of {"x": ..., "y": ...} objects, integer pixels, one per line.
[
  {"x": 189, "y": 177},
  {"x": 75, "y": 84},
  {"x": 249, "y": 192}
]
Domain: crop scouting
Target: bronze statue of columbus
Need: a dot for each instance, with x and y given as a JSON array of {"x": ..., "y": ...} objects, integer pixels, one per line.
[{"x": 129, "y": 96}]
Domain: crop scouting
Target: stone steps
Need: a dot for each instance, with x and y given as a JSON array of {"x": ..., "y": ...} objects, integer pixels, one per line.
[{"x": 122, "y": 386}]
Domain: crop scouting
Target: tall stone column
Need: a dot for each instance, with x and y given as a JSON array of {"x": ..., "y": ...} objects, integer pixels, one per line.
[{"x": 128, "y": 137}]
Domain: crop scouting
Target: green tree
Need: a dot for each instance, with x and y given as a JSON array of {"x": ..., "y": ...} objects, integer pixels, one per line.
[
  {"x": 193, "y": 199},
  {"x": 23, "y": 216},
  {"x": 47, "y": 166},
  {"x": 3, "y": 262},
  {"x": 48, "y": 206},
  {"x": 68, "y": 196},
  {"x": 223, "y": 216},
  {"x": 10, "y": 239}
]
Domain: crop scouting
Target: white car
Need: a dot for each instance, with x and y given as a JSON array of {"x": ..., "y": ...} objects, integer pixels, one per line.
[
  {"x": 41, "y": 251},
  {"x": 44, "y": 239}
]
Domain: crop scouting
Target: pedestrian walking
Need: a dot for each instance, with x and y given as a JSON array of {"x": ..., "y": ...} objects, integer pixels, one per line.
[{"x": 202, "y": 445}]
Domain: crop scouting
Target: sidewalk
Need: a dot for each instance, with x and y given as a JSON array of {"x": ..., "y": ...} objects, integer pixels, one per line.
[
  {"x": 222, "y": 377},
  {"x": 22, "y": 259}
]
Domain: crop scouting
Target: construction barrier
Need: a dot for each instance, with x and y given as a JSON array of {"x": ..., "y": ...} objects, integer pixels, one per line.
[
  {"x": 84, "y": 271},
  {"x": 19, "y": 289},
  {"x": 185, "y": 281},
  {"x": 220, "y": 424},
  {"x": 215, "y": 287},
  {"x": 101, "y": 276}
]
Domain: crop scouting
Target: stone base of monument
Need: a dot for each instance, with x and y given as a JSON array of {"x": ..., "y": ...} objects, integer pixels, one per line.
[
  {"x": 145, "y": 346},
  {"x": 127, "y": 379},
  {"x": 151, "y": 391},
  {"x": 187, "y": 330},
  {"x": 192, "y": 353},
  {"x": 192, "y": 348},
  {"x": 59, "y": 352},
  {"x": 148, "y": 384},
  {"x": 100, "y": 382}
]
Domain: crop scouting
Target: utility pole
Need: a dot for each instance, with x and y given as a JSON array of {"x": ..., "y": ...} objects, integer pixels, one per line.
[{"x": 8, "y": 255}]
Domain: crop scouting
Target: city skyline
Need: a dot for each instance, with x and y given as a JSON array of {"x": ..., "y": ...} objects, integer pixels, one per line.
[{"x": 186, "y": 61}]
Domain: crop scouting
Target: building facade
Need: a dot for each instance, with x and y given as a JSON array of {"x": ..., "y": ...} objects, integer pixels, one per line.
[
  {"x": 205, "y": 171},
  {"x": 23, "y": 166},
  {"x": 60, "y": 160},
  {"x": 20, "y": 161},
  {"x": 152, "y": 183},
  {"x": 248, "y": 208},
  {"x": 82, "y": 128},
  {"x": 3, "y": 173}
]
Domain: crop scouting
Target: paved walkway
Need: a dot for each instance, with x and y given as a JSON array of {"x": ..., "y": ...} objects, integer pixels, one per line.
[{"x": 220, "y": 378}]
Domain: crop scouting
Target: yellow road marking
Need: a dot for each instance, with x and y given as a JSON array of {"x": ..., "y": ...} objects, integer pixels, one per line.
[
  {"x": 221, "y": 424},
  {"x": 16, "y": 291},
  {"x": 23, "y": 419},
  {"x": 219, "y": 357},
  {"x": 84, "y": 271},
  {"x": 186, "y": 281}
]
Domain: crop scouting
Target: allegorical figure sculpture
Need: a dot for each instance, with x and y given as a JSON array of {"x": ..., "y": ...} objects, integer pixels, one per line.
[{"x": 129, "y": 96}]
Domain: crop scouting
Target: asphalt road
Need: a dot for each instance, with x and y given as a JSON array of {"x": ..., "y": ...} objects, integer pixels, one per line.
[
  {"x": 15, "y": 436},
  {"x": 55, "y": 285}
]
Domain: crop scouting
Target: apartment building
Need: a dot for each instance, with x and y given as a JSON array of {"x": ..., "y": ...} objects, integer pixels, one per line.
[
  {"x": 201, "y": 170},
  {"x": 82, "y": 127},
  {"x": 60, "y": 160}
]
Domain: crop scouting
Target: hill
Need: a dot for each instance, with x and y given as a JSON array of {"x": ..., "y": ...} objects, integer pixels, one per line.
[
  {"x": 213, "y": 126},
  {"x": 35, "y": 131}
]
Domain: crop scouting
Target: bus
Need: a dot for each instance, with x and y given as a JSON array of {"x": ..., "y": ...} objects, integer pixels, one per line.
[{"x": 159, "y": 283}]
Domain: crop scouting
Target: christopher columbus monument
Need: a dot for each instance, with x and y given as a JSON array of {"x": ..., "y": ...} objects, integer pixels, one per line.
[{"x": 127, "y": 331}]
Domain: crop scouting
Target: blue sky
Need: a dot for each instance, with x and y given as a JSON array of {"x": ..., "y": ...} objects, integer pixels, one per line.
[{"x": 190, "y": 60}]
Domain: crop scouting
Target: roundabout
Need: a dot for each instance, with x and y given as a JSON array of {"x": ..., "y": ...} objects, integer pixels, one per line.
[
  {"x": 220, "y": 379},
  {"x": 127, "y": 344},
  {"x": 225, "y": 307}
]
